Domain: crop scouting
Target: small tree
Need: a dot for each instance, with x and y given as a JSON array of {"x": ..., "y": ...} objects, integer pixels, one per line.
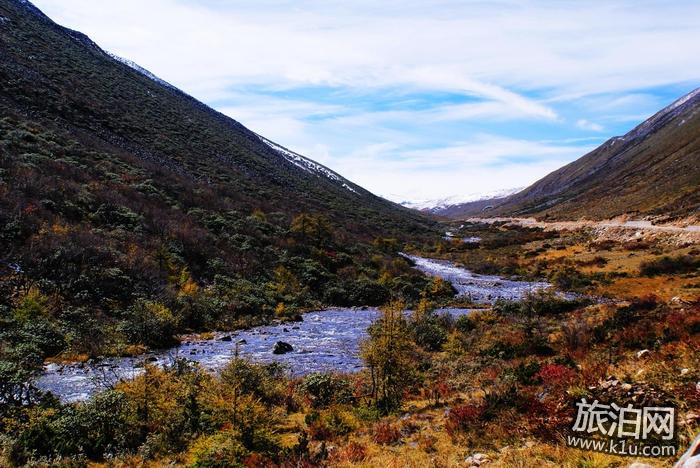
[{"x": 390, "y": 355}]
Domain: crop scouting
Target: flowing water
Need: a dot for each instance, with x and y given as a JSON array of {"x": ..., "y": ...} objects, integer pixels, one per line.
[{"x": 326, "y": 340}]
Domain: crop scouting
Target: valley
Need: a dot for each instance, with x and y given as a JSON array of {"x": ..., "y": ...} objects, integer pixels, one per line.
[{"x": 179, "y": 290}]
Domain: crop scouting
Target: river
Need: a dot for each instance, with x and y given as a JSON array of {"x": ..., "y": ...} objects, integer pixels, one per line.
[{"x": 326, "y": 340}]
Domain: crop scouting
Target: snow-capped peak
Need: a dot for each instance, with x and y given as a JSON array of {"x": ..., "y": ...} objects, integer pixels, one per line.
[
  {"x": 306, "y": 164},
  {"x": 441, "y": 203}
]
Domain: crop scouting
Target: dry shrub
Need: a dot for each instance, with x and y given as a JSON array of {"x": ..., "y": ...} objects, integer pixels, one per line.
[
  {"x": 636, "y": 245},
  {"x": 576, "y": 334},
  {"x": 427, "y": 443},
  {"x": 354, "y": 452},
  {"x": 386, "y": 434},
  {"x": 594, "y": 369}
]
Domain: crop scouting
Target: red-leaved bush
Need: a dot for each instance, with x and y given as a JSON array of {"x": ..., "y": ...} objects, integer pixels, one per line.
[
  {"x": 556, "y": 375},
  {"x": 463, "y": 417},
  {"x": 386, "y": 434}
]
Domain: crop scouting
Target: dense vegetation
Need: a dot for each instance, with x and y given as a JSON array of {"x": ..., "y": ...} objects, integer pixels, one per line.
[
  {"x": 501, "y": 381},
  {"x": 490, "y": 380},
  {"x": 130, "y": 213}
]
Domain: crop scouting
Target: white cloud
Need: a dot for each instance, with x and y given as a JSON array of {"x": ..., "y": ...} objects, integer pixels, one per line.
[
  {"x": 487, "y": 163},
  {"x": 584, "y": 124}
]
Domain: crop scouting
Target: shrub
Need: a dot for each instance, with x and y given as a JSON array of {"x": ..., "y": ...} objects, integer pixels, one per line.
[
  {"x": 669, "y": 265},
  {"x": 150, "y": 323},
  {"x": 353, "y": 452},
  {"x": 570, "y": 279},
  {"x": 556, "y": 375},
  {"x": 222, "y": 450},
  {"x": 429, "y": 331},
  {"x": 462, "y": 418},
  {"x": 465, "y": 323},
  {"x": 385, "y": 433},
  {"x": 263, "y": 381},
  {"x": 328, "y": 424},
  {"x": 324, "y": 389}
]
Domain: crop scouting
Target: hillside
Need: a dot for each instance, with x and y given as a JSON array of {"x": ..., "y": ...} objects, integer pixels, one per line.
[
  {"x": 129, "y": 211},
  {"x": 650, "y": 171}
]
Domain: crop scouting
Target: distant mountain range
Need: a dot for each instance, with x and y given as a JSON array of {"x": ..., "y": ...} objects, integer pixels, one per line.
[
  {"x": 653, "y": 170},
  {"x": 443, "y": 206}
]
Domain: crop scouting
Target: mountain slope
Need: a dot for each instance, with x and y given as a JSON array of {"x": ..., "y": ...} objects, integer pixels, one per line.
[
  {"x": 129, "y": 211},
  {"x": 49, "y": 72},
  {"x": 652, "y": 170}
]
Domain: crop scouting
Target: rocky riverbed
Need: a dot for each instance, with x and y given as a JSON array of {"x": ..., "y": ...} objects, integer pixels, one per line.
[{"x": 326, "y": 340}]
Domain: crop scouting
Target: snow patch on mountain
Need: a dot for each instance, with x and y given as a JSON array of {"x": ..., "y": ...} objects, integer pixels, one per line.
[
  {"x": 141, "y": 70},
  {"x": 306, "y": 164},
  {"x": 442, "y": 203}
]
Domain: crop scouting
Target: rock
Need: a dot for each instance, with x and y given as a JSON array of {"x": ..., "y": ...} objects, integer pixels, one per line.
[
  {"x": 642, "y": 353},
  {"x": 691, "y": 458},
  {"x": 626, "y": 387},
  {"x": 472, "y": 461},
  {"x": 242, "y": 342},
  {"x": 684, "y": 371},
  {"x": 476, "y": 460},
  {"x": 285, "y": 329},
  {"x": 282, "y": 348},
  {"x": 639, "y": 465},
  {"x": 226, "y": 338}
]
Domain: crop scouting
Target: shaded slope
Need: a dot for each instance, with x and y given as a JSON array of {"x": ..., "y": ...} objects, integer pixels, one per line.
[{"x": 61, "y": 78}]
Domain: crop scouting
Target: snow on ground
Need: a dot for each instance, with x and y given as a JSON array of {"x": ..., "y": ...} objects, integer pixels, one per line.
[
  {"x": 453, "y": 200},
  {"x": 306, "y": 164},
  {"x": 140, "y": 69}
]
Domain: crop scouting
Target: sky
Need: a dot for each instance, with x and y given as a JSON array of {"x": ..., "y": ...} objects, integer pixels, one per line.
[{"x": 415, "y": 100}]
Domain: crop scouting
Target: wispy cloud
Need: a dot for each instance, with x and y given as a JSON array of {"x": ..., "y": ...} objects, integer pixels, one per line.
[
  {"x": 584, "y": 124},
  {"x": 408, "y": 96}
]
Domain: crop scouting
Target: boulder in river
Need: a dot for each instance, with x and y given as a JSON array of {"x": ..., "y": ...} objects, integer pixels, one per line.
[{"x": 282, "y": 348}]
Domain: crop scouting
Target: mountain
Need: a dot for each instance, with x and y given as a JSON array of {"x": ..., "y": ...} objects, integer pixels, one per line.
[
  {"x": 444, "y": 206},
  {"x": 652, "y": 170},
  {"x": 59, "y": 78},
  {"x": 123, "y": 200}
]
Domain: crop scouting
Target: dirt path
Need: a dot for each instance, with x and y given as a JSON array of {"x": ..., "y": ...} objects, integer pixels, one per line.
[{"x": 689, "y": 233}]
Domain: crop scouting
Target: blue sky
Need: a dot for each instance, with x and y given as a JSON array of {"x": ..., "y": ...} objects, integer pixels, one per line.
[{"x": 415, "y": 100}]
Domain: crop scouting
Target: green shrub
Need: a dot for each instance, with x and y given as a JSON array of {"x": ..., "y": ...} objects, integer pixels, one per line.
[
  {"x": 669, "y": 265},
  {"x": 324, "y": 389}
]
